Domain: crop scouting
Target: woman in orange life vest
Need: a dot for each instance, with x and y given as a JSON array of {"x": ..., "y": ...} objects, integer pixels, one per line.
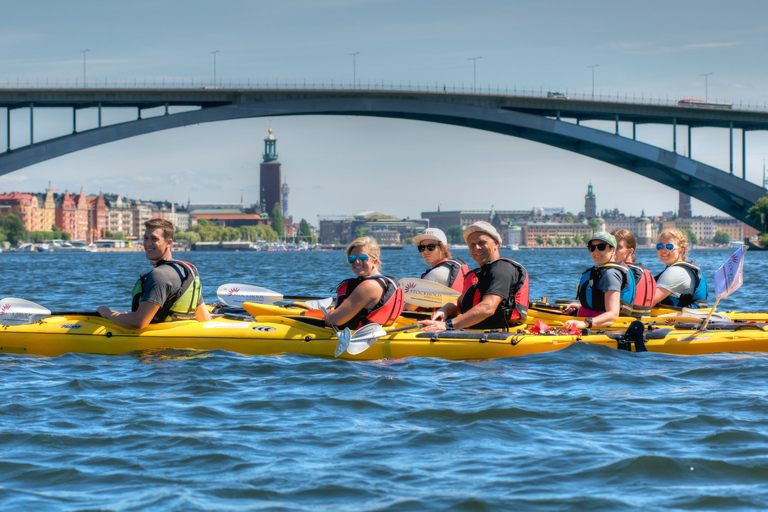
[
  {"x": 645, "y": 284},
  {"x": 610, "y": 284},
  {"x": 370, "y": 297},
  {"x": 498, "y": 299}
]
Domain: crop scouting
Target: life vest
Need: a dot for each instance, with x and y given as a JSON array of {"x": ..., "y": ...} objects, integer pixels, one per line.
[
  {"x": 384, "y": 312},
  {"x": 593, "y": 298},
  {"x": 184, "y": 302},
  {"x": 460, "y": 276},
  {"x": 695, "y": 300},
  {"x": 514, "y": 306},
  {"x": 645, "y": 289}
]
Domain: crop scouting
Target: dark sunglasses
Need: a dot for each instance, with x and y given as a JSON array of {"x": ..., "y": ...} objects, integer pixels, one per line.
[
  {"x": 597, "y": 247},
  {"x": 668, "y": 247},
  {"x": 352, "y": 258},
  {"x": 431, "y": 247}
]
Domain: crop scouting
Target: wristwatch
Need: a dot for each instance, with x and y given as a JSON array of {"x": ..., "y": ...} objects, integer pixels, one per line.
[
  {"x": 588, "y": 321},
  {"x": 449, "y": 324}
]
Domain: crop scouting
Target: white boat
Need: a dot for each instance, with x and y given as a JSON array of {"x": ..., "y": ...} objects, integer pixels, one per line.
[
  {"x": 43, "y": 247},
  {"x": 72, "y": 246},
  {"x": 514, "y": 247},
  {"x": 26, "y": 247}
]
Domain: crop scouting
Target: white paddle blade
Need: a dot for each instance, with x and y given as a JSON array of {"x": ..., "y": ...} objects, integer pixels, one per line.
[
  {"x": 364, "y": 338},
  {"x": 319, "y": 304},
  {"x": 236, "y": 294},
  {"x": 344, "y": 339},
  {"x": 21, "y": 312},
  {"x": 698, "y": 313},
  {"x": 427, "y": 294}
]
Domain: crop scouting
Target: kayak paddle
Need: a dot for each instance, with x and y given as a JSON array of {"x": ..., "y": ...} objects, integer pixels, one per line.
[
  {"x": 427, "y": 294},
  {"x": 343, "y": 336}
]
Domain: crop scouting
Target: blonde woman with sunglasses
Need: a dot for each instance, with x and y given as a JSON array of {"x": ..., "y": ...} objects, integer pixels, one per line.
[
  {"x": 444, "y": 268},
  {"x": 681, "y": 283},
  {"x": 370, "y": 297}
]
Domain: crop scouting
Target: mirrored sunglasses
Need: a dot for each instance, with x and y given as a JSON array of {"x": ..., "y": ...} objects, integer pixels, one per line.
[
  {"x": 668, "y": 247},
  {"x": 352, "y": 258},
  {"x": 597, "y": 247},
  {"x": 430, "y": 247}
]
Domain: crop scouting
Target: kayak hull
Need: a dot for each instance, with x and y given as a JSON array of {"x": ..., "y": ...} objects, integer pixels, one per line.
[{"x": 277, "y": 335}]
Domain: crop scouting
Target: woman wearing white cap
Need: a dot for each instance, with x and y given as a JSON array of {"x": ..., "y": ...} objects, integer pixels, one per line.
[
  {"x": 444, "y": 269},
  {"x": 498, "y": 299}
]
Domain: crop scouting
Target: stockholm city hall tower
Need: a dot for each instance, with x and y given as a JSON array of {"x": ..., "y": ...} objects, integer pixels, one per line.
[{"x": 270, "y": 176}]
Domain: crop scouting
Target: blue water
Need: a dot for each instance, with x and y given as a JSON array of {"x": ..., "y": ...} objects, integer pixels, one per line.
[{"x": 586, "y": 428}]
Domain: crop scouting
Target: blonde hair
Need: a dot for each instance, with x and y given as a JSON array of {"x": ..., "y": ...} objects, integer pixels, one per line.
[
  {"x": 374, "y": 251},
  {"x": 629, "y": 240},
  {"x": 679, "y": 237}
]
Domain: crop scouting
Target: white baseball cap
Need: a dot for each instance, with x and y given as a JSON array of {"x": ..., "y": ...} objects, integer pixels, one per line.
[
  {"x": 484, "y": 227},
  {"x": 431, "y": 234}
]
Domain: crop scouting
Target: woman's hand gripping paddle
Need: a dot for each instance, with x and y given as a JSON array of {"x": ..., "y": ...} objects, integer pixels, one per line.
[{"x": 344, "y": 336}]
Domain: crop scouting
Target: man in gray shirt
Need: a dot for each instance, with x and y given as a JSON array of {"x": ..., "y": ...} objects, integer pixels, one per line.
[{"x": 171, "y": 287}]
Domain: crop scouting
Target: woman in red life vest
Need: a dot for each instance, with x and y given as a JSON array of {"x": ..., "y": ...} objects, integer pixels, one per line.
[
  {"x": 499, "y": 298},
  {"x": 370, "y": 297},
  {"x": 645, "y": 284}
]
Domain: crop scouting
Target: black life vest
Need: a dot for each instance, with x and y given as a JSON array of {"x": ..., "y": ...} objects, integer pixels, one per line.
[
  {"x": 184, "y": 302},
  {"x": 385, "y": 312},
  {"x": 645, "y": 289},
  {"x": 695, "y": 299},
  {"x": 460, "y": 276},
  {"x": 593, "y": 298},
  {"x": 514, "y": 306}
]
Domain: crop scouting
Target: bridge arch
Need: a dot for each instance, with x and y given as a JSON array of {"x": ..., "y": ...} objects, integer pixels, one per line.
[{"x": 708, "y": 184}]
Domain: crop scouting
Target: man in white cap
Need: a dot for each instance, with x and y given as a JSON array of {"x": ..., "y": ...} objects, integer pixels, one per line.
[
  {"x": 498, "y": 299},
  {"x": 444, "y": 269}
]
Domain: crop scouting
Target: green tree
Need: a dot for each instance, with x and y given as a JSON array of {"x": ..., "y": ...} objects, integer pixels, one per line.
[
  {"x": 569, "y": 217},
  {"x": 550, "y": 241},
  {"x": 721, "y": 238},
  {"x": 278, "y": 223},
  {"x": 540, "y": 240},
  {"x": 578, "y": 240},
  {"x": 191, "y": 237},
  {"x": 594, "y": 224},
  {"x": 13, "y": 228},
  {"x": 559, "y": 240},
  {"x": 305, "y": 232},
  {"x": 568, "y": 241},
  {"x": 758, "y": 214},
  {"x": 361, "y": 232},
  {"x": 690, "y": 236},
  {"x": 455, "y": 235}
]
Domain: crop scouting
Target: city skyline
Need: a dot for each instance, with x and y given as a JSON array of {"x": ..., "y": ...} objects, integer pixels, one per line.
[{"x": 333, "y": 164}]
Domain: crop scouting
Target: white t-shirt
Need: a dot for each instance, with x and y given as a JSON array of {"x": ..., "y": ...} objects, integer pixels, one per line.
[{"x": 675, "y": 279}]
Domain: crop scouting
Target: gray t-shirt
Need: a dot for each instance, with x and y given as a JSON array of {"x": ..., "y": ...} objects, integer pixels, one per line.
[
  {"x": 440, "y": 275},
  {"x": 676, "y": 280},
  {"x": 162, "y": 282},
  {"x": 610, "y": 280}
]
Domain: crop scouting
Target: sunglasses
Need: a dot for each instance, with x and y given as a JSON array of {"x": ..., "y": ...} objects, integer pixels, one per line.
[
  {"x": 430, "y": 247},
  {"x": 597, "y": 247},
  {"x": 668, "y": 247},
  {"x": 352, "y": 258}
]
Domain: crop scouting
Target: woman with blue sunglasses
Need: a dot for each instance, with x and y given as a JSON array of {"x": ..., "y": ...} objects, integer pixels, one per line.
[
  {"x": 681, "y": 283},
  {"x": 370, "y": 297}
]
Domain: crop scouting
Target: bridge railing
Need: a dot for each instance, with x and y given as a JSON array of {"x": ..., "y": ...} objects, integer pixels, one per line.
[{"x": 381, "y": 85}]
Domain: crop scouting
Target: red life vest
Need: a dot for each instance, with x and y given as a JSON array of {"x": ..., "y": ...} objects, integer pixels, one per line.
[
  {"x": 460, "y": 276},
  {"x": 645, "y": 289},
  {"x": 384, "y": 312},
  {"x": 515, "y": 306}
]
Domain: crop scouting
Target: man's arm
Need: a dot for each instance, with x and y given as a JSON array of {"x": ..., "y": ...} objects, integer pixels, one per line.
[
  {"x": 134, "y": 320},
  {"x": 202, "y": 314}
]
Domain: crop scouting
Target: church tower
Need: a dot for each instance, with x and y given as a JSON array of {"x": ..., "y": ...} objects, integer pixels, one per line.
[
  {"x": 590, "y": 204},
  {"x": 270, "y": 176}
]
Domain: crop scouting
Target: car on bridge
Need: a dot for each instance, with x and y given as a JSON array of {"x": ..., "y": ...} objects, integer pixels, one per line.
[
  {"x": 704, "y": 104},
  {"x": 557, "y": 95}
]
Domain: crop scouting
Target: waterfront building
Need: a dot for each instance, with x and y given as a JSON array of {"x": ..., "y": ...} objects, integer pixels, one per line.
[
  {"x": 641, "y": 227},
  {"x": 684, "y": 206},
  {"x": 47, "y": 205},
  {"x": 385, "y": 229},
  {"x": 119, "y": 215},
  {"x": 270, "y": 177},
  {"x": 65, "y": 213},
  {"x": 534, "y": 232},
  {"x": 285, "y": 191},
  {"x": 142, "y": 212},
  {"x": 98, "y": 216},
  {"x": 24, "y": 206},
  {"x": 590, "y": 203}
]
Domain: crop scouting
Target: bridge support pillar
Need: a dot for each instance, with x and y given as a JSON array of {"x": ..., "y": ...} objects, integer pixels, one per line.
[
  {"x": 743, "y": 154},
  {"x": 674, "y": 135},
  {"x": 8, "y": 129},
  {"x": 74, "y": 120},
  {"x": 634, "y": 131},
  {"x": 617, "y": 124},
  {"x": 690, "y": 143},
  {"x": 166, "y": 111},
  {"x": 730, "y": 140},
  {"x": 99, "y": 114},
  {"x": 31, "y": 124}
]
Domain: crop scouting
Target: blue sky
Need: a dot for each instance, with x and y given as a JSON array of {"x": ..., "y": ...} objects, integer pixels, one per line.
[{"x": 334, "y": 164}]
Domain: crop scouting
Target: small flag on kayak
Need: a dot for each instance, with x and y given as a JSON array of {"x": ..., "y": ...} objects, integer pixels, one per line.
[{"x": 730, "y": 276}]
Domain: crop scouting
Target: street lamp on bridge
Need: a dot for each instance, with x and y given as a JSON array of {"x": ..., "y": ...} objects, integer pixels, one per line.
[
  {"x": 593, "y": 66},
  {"x": 706, "y": 88},
  {"x": 354, "y": 69},
  {"x": 84, "y": 52},
  {"x": 474, "y": 72},
  {"x": 214, "y": 66}
]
